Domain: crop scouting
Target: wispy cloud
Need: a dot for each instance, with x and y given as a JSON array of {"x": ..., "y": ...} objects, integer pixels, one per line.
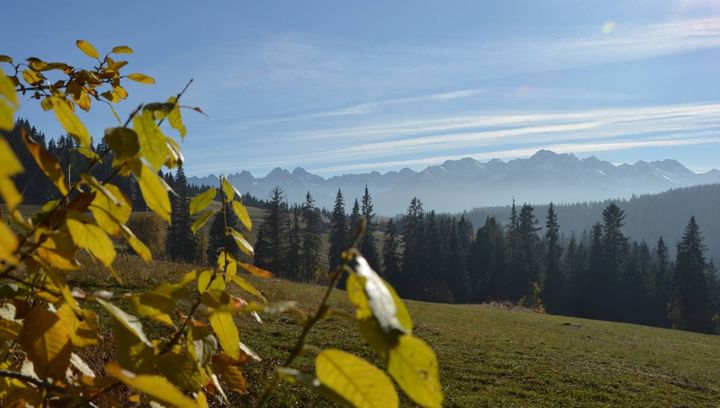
[{"x": 520, "y": 153}]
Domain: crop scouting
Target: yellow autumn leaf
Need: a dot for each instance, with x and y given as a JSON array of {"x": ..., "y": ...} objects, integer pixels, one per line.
[
  {"x": 201, "y": 221},
  {"x": 242, "y": 243},
  {"x": 92, "y": 238},
  {"x": 156, "y": 387},
  {"x": 153, "y": 190},
  {"x": 227, "y": 333},
  {"x": 122, "y": 49},
  {"x": 153, "y": 146},
  {"x": 46, "y": 341},
  {"x": 8, "y": 243},
  {"x": 262, "y": 273},
  {"x": 229, "y": 372},
  {"x": 87, "y": 48},
  {"x": 136, "y": 244},
  {"x": 242, "y": 213},
  {"x": 142, "y": 78},
  {"x": 8, "y": 102},
  {"x": 202, "y": 200},
  {"x": 110, "y": 207},
  {"x": 46, "y": 161},
  {"x": 70, "y": 122},
  {"x": 413, "y": 365},
  {"x": 358, "y": 382}
]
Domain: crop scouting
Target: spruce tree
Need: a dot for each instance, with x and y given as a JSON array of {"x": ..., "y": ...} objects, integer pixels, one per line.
[
  {"x": 181, "y": 242},
  {"x": 272, "y": 235},
  {"x": 595, "y": 305},
  {"x": 615, "y": 248},
  {"x": 554, "y": 282},
  {"x": 456, "y": 274},
  {"x": 338, "y": 232},
  {"x": 354, "y": 223},
  {"x": 391, "y": 260},
  {"x": 311, "y": 241},
  {"x": 294, "y": 254},
  {"x": 368, "y": 247},
  {"x": 408, "y": 282},
  {"x": 528, "y": 240},
  {"x": 690, "y": 307},
  {"x": 659, "y": 287}
]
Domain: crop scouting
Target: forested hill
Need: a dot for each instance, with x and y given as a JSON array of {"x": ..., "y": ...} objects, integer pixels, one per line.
[{"x": 648, "y": 217}]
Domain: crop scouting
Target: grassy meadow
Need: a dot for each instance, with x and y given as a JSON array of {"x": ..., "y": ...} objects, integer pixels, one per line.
[{"x": 489, "y": 355}]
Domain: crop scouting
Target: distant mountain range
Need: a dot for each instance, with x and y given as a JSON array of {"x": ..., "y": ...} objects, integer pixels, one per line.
[{"x": 458, "y": 185}]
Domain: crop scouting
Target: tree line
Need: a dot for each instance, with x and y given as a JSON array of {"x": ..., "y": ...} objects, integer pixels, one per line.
[{"x": 599, "y": 274}]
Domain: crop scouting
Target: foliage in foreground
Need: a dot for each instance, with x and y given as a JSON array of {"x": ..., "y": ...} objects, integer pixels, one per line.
[{"x": 199, "y": 357}]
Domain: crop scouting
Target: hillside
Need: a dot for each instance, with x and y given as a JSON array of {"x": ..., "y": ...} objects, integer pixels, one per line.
[
  {"x": 490, "y": 356},
  {"x": 457, "y": 185},
  {"x": 648, "y": 217}
]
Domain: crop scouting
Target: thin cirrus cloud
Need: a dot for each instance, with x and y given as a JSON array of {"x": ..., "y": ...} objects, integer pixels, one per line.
[
  {"x": 523, "y": 152},
  {"x": 384, "y": 131}
]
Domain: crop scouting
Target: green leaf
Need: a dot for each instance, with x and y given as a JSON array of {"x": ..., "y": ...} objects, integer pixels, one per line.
[
  {"x": 70, "y": 122},
  {"x": 123, "y": 142},
  {"x": 129, "y": 322},
  {"x": 201, "y": 221},
  {"x": 413, "y": 365},
  {"x": 202, "y": 200},
  {"x": 153, "y": 146},
  {"x": 156, "y": 387},
  {"x": 358, "y": 382},
  {"x": 227, "y": 333},
  {"x": 242, "y": 213},
  {"x": 153, "y": 190},
  {"x": 122, "y": 49},
  {"x": 87, "y": 48},
  {"x": 46, "y": 341},
  {"x": 142, "y": 78}
]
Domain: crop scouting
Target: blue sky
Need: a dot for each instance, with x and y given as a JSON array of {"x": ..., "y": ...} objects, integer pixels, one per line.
[{"x": 339, "y": 86}]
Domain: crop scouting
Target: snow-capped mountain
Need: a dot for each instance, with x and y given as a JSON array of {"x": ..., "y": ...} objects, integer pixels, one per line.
[{"x": 457, "y": 185}]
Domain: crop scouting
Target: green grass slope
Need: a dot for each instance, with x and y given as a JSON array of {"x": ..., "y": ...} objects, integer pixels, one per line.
[{"x": 496, "y": 357}]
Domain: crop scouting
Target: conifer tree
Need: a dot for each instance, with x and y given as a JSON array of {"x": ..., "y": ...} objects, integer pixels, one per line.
[
  {"x": 659, "y": 286},
  {"x": 554, "y": 282},
  {"x": 528, "y": 271},
  {"x": 615, "y": 248},
  {"x": 391, "y": 260},
  {"x": 487, "y": 263},
  {"x": 311, "y": 241},
  {"x": 354, "y": 223},
  {"x": 456, "y": 273},
  {"x": 181, "y": 242},
  {"x": 338, "y": 232},
  {"x": 271, "y": 246},
  {"x": 595, "y": 306},
  {"x": 368, "y": 246},
  {"x": 690, "y": 307},
  {"x": 407, "y": 283},
  {"x": 294, "y": 254}
]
